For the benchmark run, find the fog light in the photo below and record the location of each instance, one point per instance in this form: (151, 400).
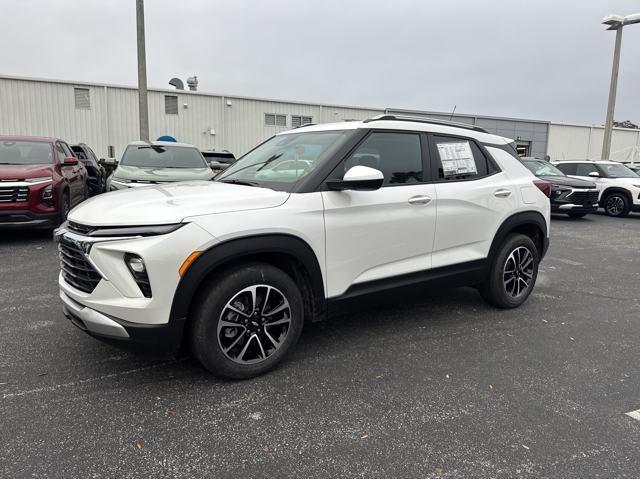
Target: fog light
(139, 272)
(135, 263)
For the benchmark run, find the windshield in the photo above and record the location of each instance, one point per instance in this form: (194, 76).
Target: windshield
(542, 168)
(156, 156)
(618, 171)
(25, 153)
(283, 160)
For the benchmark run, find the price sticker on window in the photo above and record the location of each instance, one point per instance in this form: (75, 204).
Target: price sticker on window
(457, 159)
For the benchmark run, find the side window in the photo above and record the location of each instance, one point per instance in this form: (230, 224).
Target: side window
(397, 155)
(460, 159)
(567, 168)
(61, 152)
(583, 169)
(66, 149)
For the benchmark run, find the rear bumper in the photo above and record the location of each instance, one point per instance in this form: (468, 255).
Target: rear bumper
(14, 219)
(159, 341)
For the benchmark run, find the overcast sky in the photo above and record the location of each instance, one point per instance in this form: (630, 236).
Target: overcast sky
(539, 59)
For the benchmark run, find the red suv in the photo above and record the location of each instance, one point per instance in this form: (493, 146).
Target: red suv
(40, 181)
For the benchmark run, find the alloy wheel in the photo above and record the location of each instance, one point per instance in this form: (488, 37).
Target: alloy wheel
(517, 274)
(254, 324)
(614, 205)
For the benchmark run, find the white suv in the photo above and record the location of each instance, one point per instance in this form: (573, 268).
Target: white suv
(618, 186)
(308, 221)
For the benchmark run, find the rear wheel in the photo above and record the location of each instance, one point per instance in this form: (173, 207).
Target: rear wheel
(616, 205)
(248, 319)
(577, 215)
(513, 273)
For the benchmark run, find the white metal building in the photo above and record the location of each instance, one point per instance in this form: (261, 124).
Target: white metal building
(106, 118)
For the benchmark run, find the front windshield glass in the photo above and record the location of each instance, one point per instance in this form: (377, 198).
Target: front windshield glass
(156, 156)
(285, 159)
(618, 171)
(25, 153)
(542, 168)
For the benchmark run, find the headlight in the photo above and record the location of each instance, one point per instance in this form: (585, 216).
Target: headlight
(47, 194)
(42, 179)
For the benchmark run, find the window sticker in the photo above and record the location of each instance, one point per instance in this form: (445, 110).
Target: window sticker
(457, 159)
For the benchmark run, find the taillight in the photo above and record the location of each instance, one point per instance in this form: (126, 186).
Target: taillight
(543, 186)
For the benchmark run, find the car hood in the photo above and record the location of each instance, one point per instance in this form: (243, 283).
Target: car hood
(568, 181)
(171, 203)
(20, 172)
(162, 174)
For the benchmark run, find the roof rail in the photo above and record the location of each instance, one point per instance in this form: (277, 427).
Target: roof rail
(425, 120)
(300, 126)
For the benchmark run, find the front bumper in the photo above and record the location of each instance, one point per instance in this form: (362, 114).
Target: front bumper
(159, 341)
(573, 208)
(16, 219)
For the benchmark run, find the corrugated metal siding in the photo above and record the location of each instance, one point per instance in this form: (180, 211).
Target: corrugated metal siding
(576, 142)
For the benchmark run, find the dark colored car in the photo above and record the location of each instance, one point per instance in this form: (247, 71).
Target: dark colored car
(97, 176)
(219, 160)
(40, 181)
(572, 196)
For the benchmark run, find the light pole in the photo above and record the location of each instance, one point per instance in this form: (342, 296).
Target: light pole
(615, 22)
(143, 107)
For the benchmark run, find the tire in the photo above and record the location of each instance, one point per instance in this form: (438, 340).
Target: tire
(65, 207)
(253, 347)
(577, 215)
(616, 204)
(517, 249)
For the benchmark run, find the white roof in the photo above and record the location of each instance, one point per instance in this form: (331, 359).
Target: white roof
(408, 125)
(599, 162)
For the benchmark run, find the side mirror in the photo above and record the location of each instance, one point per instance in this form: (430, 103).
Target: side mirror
(108, 161)
(360, 178)
(594, 174)
(216, 165)
(70, 161)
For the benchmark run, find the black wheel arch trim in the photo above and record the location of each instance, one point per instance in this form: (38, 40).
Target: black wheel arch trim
(523, 218)
(616, 189)
(224, 253)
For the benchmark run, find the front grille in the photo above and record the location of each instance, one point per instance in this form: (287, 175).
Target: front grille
(13, 194)
(584, 197)
(76, 269)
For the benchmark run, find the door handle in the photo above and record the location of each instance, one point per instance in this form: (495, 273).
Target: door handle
(419, 200)
(502, 193)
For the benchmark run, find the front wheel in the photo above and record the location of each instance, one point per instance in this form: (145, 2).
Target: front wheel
(513, 273)
(248, 319)
(616, 205)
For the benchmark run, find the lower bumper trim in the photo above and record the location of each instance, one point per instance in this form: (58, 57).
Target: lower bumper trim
(90, 320)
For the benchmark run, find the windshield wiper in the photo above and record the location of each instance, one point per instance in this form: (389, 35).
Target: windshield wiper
(156, 148)
(240, 182)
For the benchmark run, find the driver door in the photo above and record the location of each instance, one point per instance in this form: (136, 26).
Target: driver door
(375, 235)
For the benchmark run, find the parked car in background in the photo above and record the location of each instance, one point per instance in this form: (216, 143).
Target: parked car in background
(97, 176)
(618, 186)
(572, 196)
(235, 266)
(635, 167)
(219, 160)
(148, 163)
(40, 181)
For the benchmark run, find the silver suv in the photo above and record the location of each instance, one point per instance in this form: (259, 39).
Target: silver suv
(145, 163)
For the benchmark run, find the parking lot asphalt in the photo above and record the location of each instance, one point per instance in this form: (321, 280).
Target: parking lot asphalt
(443, 386)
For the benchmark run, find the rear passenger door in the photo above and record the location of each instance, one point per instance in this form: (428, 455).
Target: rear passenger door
(374, 235)
(473, 199)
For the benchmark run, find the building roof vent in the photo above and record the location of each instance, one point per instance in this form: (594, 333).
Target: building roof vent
(192, 83)
(176, 82)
